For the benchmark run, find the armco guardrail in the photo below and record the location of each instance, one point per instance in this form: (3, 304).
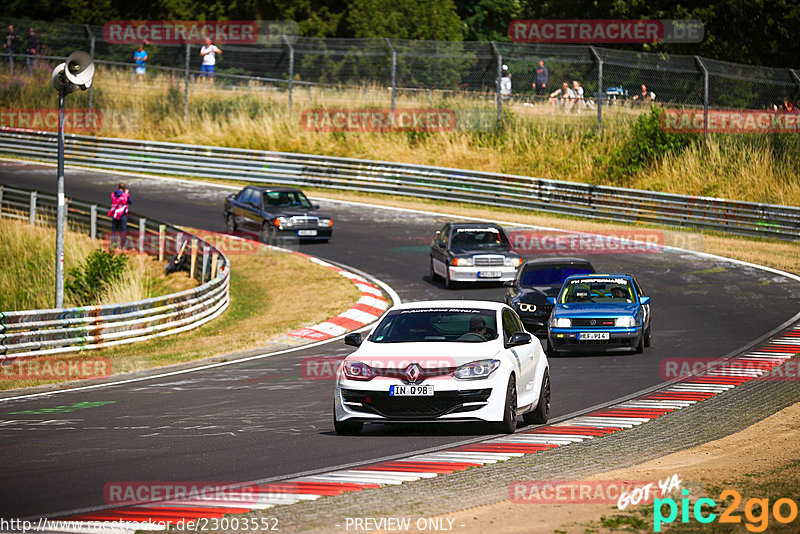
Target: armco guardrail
(593, 201)
(42, 332)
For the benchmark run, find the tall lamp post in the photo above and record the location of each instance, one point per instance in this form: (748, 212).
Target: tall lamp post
(76, 72)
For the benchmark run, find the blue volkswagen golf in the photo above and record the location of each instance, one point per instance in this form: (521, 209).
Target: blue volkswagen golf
(599, 312)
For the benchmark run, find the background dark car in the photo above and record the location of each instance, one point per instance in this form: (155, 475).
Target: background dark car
(536, 280)
(472, 252)
(276, 212)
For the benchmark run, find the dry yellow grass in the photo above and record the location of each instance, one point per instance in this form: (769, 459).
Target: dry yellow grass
(272, 293)
(535, 141)
(27, 281)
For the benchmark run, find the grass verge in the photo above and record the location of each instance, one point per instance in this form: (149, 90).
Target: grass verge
(272, 293)
(532, 140)
(29, 253)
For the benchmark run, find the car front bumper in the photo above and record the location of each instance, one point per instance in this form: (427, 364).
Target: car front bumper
(619, 339)
(453, 401)
(305, 233)
(499, 273)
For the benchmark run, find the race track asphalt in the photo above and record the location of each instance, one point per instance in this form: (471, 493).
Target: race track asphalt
(261, 419)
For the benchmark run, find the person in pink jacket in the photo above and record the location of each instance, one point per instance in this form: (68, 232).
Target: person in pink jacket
(120, 200)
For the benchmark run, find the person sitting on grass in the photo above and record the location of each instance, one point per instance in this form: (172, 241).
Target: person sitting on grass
(562, 96)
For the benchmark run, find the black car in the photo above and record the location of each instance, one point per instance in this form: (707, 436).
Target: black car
(472, 252)
(276, 212)
(536, 280)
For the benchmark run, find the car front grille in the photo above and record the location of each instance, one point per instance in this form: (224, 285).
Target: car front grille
(303, 220)
(424, 374)
(488, 261)
(604, 322)
(441, 403)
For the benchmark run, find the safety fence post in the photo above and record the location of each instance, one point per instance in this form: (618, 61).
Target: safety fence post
(142, 232)
(705, 95)
(186, 83)
(394, 70)
(291, 69)
(32, 209)
(498, 81)
(93, 221)
(600, 93)
(194, 258)
(162, 241)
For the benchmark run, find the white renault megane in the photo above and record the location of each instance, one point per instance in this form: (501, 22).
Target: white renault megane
(443, 361)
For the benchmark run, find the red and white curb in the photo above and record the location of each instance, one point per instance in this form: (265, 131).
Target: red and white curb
(366, 310)
(745, 367)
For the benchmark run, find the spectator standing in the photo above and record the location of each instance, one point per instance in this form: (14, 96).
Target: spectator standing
(505, 82)
(208, 53)
(34, 48)
(540, 79)
(11, 44)
(578, 90)
(120, 200)
(140, 60)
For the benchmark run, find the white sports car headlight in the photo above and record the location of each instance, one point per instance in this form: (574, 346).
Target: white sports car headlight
(358, 371)
(475, 370)
(625, 322)
(561, 322)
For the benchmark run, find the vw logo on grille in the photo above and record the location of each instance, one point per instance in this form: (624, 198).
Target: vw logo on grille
(412, 372)
(592, 322)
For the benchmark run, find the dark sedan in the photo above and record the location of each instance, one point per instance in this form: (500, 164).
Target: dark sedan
(274, 213)
(536, 280)
(472, 252)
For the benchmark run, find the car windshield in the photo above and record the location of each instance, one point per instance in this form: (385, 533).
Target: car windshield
(463, 325)
(549, 276)
(601, 290)
(478, 238)
(286, 199)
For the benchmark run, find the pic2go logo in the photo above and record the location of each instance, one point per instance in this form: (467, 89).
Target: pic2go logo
(756, 511)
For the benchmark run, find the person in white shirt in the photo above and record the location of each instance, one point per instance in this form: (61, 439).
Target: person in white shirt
(578, 90)
(505, 82)
(208, 53)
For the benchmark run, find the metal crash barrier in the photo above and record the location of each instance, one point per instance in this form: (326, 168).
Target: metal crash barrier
(56, 331)
(503, 190)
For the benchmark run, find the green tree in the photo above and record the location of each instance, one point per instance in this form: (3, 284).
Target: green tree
(487, 20)
(435, 20)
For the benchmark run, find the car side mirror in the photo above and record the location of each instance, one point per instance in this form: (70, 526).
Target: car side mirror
(353, 339)
(509, 283)
(644, 300)
(551, 300)
(519, 338)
